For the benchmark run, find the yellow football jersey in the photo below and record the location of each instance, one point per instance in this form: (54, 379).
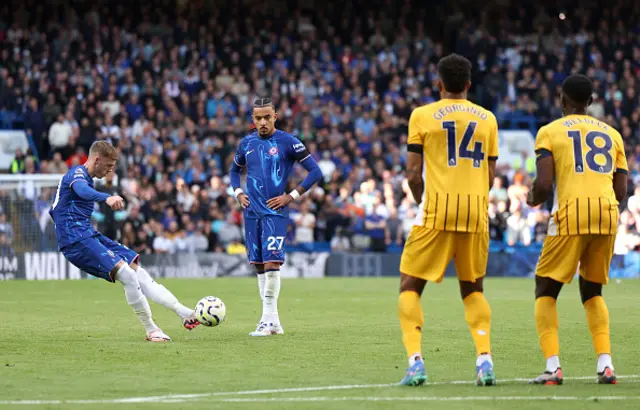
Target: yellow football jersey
(586, 153)
(458, 138)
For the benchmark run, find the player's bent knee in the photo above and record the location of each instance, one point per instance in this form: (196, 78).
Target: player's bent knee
(589, 290)
(125, 274)
(411, 284)
(547, 287)
(467, 288)
(270, 266)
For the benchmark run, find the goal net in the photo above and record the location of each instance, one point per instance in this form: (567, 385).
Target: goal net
(25, 223)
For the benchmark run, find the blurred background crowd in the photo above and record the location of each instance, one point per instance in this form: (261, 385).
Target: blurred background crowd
(171, 84)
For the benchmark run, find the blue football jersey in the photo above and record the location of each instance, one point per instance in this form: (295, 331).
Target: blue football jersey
(269, 162)
(72, 214)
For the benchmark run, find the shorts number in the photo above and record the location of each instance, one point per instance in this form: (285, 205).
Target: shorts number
(57, 198)
(462, 151)
(591, 140)
(274, 243)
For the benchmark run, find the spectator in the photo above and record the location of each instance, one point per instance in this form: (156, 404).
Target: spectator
(57, 165)
(518, 231)
(6, 228)
(60, 135)
(305, 224)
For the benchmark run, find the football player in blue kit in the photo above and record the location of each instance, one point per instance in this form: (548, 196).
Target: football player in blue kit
(268, 155)
(98, 255)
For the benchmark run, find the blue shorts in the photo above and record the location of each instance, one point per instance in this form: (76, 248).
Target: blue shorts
(98, 256)
(265, 238)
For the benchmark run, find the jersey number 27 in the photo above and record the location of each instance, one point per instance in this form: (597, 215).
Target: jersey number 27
(455, 151)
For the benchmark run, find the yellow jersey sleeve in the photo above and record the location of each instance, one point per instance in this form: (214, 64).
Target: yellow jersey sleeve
(543, 143)
(493, 141)
(416, 128)
(621, 158)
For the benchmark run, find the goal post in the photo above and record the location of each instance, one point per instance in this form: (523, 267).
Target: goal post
(25, 223)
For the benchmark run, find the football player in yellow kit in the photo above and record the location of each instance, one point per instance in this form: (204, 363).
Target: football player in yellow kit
(452, 153)
(581, 161)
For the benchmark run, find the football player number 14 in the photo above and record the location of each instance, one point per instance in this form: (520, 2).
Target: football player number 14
(598, 143)
(456, 151)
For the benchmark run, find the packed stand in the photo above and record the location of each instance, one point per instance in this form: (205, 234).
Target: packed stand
(172, 89)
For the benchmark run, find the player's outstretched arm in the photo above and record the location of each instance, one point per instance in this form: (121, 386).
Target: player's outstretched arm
(84, 191)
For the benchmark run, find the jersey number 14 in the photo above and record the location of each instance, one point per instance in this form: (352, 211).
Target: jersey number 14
(455, 151)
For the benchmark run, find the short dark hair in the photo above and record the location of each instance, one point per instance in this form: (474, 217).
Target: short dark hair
(578, 88)
(455, 72)
(262, 102)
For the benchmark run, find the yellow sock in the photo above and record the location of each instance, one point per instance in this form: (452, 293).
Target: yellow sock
(411, 321)
(477, 313)
(598, 320)
(547, 326)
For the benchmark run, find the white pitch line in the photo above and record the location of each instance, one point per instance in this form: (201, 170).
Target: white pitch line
(186, 397)
(425, 398)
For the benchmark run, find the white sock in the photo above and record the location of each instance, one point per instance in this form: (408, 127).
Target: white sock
(161, 295)
(604, 360)
(261, 280)
(416, 357)
(271, 293)
(553, 363)
(483, 358)
(135, 297)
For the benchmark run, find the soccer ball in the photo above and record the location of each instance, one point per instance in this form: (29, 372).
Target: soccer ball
(210, 311)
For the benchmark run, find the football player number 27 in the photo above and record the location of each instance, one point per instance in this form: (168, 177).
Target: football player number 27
(274, 243)
(455, 151)
(598, 143)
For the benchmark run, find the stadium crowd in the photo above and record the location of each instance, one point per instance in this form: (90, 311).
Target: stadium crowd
(171, 85)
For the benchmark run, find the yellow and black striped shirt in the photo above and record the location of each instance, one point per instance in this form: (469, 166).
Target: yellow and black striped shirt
(586, 153)
(457, 139)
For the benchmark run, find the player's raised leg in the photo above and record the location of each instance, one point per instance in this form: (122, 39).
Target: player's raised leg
(472, 252)
(151, 289)
(594, 273)
(92, 256)
(138, 302)
(162, 296)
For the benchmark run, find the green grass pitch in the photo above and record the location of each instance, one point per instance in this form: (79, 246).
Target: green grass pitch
(68, 341)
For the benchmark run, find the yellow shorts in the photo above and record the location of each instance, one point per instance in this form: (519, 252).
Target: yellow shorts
(561, 255)
(427, 254)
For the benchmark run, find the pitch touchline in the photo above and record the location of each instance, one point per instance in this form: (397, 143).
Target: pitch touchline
(425, 398)
(185, 397)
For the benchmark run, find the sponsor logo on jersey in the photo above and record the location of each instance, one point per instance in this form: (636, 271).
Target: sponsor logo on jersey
(299, 147)
(79, 173)
(110, 253)
(273, 151)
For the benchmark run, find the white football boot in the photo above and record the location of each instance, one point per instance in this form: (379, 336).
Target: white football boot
(267, 329)
(157, 336)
